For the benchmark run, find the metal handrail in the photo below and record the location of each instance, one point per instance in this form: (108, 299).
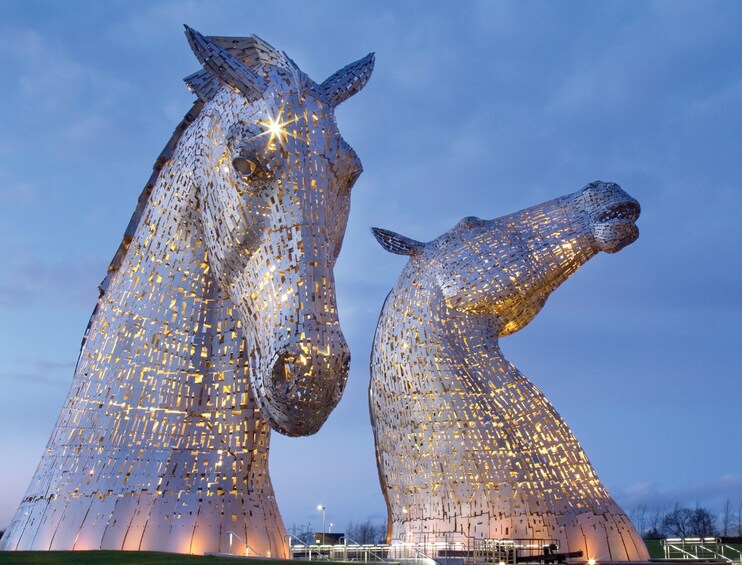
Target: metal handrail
(411, 545)
(476, 550)
(230, 533)
(689, 548)
(345, 543)
(289, 537)
(732, 549)
(307, 547)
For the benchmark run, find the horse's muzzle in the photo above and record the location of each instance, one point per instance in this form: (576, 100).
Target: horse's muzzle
(303, 385)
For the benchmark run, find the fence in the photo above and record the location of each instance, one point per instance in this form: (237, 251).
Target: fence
(700, 548)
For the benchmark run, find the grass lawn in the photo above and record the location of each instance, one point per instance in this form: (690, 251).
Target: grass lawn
(111, 558)
(97, 557)
(151, 558)
(123, 558)
(656, 551)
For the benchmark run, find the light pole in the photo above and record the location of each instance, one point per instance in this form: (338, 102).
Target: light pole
(324, 513)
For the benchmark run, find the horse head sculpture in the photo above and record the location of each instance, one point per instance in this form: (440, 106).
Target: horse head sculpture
(274, 182)
(216, 322)
(466, 445)
(508, 266)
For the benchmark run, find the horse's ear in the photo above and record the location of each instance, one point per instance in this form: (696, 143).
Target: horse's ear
(203, 85)
(395, 243)
(223, 66)
(348, 80)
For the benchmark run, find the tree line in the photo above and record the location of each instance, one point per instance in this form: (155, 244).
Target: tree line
(684, 522)
(365, 532)
(674, 521)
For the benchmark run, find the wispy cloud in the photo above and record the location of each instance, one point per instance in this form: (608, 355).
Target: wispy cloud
(712, 493)
(40, 371)
(31, 280)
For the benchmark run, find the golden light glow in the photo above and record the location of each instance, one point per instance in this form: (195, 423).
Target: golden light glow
(162, 432)
(276, 128)
(467, 447)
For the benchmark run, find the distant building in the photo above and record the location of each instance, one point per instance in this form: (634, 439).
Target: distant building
(328, 538)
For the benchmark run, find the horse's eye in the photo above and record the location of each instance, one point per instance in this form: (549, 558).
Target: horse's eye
(245, 166)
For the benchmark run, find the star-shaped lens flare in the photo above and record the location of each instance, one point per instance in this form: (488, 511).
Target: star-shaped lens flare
(276, 128)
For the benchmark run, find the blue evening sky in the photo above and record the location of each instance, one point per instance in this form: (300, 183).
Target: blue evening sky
(475, 108)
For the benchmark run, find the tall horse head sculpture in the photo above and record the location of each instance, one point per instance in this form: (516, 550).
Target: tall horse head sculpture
(274, 177)
(217, 321)
(466, 445)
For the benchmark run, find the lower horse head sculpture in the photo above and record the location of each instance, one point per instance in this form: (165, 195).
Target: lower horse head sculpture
(467, 447)
(216, 322)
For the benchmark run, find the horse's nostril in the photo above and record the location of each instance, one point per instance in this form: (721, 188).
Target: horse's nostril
(303, 384)
(284, 374)
(308, 379)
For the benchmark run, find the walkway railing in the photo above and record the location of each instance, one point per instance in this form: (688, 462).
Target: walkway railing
(700, 548)
(231, 535)
(348, 550)
(459, 549)
(471, 550)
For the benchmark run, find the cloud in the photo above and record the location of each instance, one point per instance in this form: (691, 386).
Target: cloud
(28, 280)
(43, 71)
(712, 493)
(40, 371)
(480, 110)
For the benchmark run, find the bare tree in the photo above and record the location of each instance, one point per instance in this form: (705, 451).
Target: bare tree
(655, 524)
(683, 522)
(703, 523)
(639, 518)
(303, 533)
(677, 522)
(366, 532)
(726, 518)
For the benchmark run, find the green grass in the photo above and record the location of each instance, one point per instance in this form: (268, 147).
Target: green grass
(112, 558)
(124, 558)
(655, 549)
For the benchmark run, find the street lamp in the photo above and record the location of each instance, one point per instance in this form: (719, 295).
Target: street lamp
(324, 513)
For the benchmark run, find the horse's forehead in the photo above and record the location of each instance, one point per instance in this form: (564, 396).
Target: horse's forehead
(289, 105)
(293, 90)
(464, 243)
(479, 250)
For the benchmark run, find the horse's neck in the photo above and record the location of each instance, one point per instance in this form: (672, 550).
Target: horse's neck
(556, 246)
(455, 358)
(162, 297)
(434, 333)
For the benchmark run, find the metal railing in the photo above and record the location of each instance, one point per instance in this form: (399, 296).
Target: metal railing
(248, 549)
(731, 553)
(700, 548)
(469, 550)
(451, 549)
(348, 550)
